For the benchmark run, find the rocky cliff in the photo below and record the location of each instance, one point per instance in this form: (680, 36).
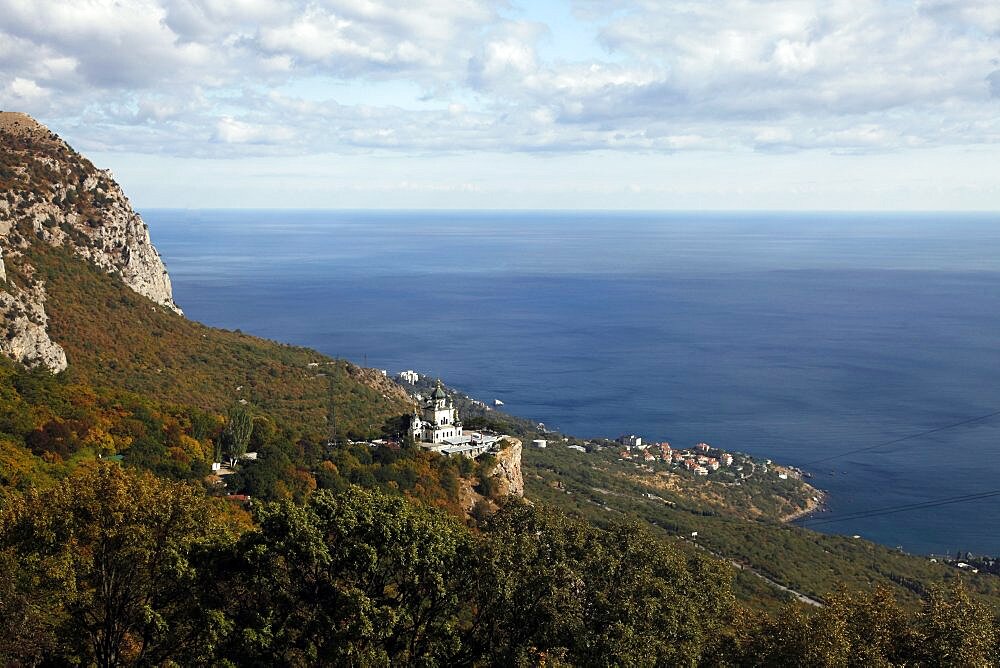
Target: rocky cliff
(507, 471)
(51, 194)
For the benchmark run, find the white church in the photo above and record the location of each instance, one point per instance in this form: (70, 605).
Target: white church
(436, 426)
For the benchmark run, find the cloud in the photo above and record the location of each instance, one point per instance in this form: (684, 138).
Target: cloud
(228, 78)
(26, 91)
(994, 81)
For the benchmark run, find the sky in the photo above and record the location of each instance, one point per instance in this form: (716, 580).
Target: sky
(575, 104)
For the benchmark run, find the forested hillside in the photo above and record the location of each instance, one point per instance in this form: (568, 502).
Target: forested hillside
(114, 337)
(113, 567)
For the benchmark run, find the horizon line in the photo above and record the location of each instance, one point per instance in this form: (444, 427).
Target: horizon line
(985, 212)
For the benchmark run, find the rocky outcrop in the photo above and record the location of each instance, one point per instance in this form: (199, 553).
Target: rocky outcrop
(507, 471)
(117, 240)
(26, 338)
(51, 194)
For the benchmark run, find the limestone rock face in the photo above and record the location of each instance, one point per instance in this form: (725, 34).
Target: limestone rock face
(119, 242)
(26, 338)
(51, 194)
(508, 469)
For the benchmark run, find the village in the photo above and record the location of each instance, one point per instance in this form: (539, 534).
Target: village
(700, 460)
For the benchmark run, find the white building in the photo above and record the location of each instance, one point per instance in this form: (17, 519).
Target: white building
(630, 441)
(436, 427)
(409, 376)
(438, 419)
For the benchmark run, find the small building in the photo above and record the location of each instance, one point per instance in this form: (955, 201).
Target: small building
(539, 443)
(630, 440)
(703, 447)
(726, 459)
(409, 376)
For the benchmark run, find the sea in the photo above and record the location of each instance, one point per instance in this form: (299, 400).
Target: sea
(863, 348)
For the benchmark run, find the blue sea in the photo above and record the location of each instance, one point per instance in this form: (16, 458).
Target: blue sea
(795, 337)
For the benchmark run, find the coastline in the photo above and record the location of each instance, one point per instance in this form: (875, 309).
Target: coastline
(814, 504)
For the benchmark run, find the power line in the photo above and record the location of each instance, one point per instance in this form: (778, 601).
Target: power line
(903, 438)
(903, 508)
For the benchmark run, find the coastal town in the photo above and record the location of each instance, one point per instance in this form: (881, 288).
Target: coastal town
(700, 460)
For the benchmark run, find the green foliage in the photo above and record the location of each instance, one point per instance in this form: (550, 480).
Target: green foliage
(871, 629)
(561, 588)
(599, 487)
(117, 338)
(953, 629)
(115, 567)
(105, 567)
(352, 579)
(236, 435)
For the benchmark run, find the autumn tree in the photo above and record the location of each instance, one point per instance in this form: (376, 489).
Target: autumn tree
(109, 560)
(871, 629)
(953, 629)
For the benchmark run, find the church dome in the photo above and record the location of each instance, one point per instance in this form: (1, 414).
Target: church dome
(438, 392)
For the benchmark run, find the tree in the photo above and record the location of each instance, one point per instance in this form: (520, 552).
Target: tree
(111, 556)
(356, 578)
(237, 432)
(558, 588)
(955, 630)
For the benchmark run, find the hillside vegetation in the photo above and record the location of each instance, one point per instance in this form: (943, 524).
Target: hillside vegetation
(113, 567)
(115, 337)
(741, 524)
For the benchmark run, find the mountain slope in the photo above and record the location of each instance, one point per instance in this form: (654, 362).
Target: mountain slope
(83, 287)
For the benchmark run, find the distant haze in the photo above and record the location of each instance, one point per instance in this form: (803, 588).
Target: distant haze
(606, 104)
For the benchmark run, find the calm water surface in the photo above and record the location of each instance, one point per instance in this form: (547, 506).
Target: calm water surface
(790, 336)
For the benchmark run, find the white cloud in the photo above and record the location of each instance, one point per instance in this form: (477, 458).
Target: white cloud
(26, 90)
(219, 77)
